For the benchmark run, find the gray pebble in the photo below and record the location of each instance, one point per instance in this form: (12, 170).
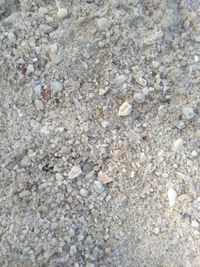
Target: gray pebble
(24, 193)
(30, 69)
(26, 161)
(119, 80)
(98, 186)
(103, 24)
(139, 97)
(56, 87)
(73, 250)
(38, 89)
(188, 113)
(83, 192)
(46, 28)
(12, 37)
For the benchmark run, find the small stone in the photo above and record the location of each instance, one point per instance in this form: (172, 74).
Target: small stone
(196, 59)
(39, 104)
(103, 24)
(30, 69)
(119, 80)
(24, 193)
(83, 192)
(180, 125)
(73, 250)
(47, 94)
(45, 130)
(103, 91)
(139, 97)
(155, 64)
(46, 28)
(104, 178)
(156, 230)
(194, 154)
(90, 1)
(26, 161)
(125, 109)
(98, 186)
(145, 91)
(38, 89)
(42, 11)
(178, 145)
(172, 195)
(195, 224)
(62, 13)
(56, 87)
(105, 124)
(53, 49)
(188, 113)
(141, 81)
(12, 37)
(75, 172)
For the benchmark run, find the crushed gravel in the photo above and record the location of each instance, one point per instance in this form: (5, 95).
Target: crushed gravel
(99, 133)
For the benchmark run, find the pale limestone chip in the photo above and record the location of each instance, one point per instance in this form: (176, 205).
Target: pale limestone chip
(125, 109)
(172, 195)
(104, 178)
(177, 145)
(62, 13)
(75, 172)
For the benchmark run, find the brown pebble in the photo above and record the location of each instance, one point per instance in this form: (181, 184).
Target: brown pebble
(47, 94)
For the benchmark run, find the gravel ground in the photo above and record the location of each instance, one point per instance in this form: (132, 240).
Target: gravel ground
(99, 133)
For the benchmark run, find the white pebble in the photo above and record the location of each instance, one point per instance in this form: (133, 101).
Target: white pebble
(196, 59)
(75, 172)
(172, 195)
(103, 91)
(125, 109)
(83, 192)
(188, 113)
(62, 13)
(45, 130)
(103, 24)
(139, 97)
(155, 64)
(195, 224)
(141, 81)
(178, 145)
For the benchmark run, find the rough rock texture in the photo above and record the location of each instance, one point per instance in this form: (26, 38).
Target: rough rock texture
(63, 79)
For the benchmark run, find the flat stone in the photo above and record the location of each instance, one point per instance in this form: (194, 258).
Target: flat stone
(125, 109)
(104, 178)
(119, 80)
(75, 172)
(45, 28)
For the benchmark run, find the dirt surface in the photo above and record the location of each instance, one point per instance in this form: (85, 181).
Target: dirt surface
(99, 133)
